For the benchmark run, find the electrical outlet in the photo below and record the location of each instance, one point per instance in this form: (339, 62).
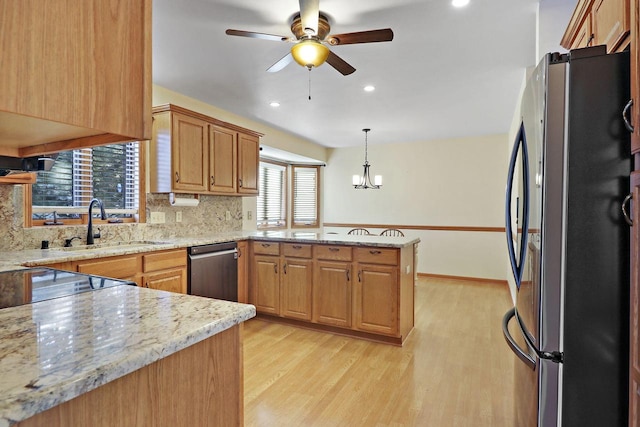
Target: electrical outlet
(228, 216)
(179, 216)
(249, 215)
(157, 218)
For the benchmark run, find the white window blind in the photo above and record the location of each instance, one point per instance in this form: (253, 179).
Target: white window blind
(305, 195)
(271, 203)
(110, 173)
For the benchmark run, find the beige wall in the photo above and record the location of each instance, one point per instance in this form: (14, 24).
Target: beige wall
(456, 182)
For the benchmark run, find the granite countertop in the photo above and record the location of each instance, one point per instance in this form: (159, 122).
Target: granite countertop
(55, 350)
(36, 257)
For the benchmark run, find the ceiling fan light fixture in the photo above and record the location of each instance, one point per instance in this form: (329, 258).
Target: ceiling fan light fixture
(310, 53)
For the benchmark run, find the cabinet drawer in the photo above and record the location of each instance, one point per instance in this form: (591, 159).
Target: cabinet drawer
(333, 252)
(118, 268)
(266, 248)
(164, 260)
(377, 256)
(296, 250)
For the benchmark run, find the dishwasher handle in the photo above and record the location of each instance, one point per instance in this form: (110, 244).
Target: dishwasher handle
(219, 253)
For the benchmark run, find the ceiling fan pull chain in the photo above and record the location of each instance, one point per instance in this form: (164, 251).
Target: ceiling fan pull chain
(309, 83)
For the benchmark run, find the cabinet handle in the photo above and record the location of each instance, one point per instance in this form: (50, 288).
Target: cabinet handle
(239, 253)
(591, 37)
(360, 276)
(374, 252)
(213, 180)
(275, 268)
(297, 247)
(627, 123)
(348, 275)
(284, 268)
(146, 284)
(334, 249)
(240, 182)
(624, 209)
(265, 245)
(177, 177)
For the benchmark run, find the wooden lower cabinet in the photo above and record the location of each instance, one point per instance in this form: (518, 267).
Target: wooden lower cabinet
(171, 280)
(162, 270)
(332, 293)
(634, 306)
(361, 291)
(243, 271)
(375, 299)
(266, 273)
(296, 282)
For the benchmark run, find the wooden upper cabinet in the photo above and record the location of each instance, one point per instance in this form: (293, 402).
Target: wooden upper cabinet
(248, 163)
(74, 74)
(190, 153)
(611, 23)
(223, 159)
(599, 22)
(193, 153)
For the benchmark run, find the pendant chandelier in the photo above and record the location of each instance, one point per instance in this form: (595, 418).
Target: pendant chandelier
(364, 182)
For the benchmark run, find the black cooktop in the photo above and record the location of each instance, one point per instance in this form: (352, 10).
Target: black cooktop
(18, 287)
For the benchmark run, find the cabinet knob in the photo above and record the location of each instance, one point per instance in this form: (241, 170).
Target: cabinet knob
(177, 177)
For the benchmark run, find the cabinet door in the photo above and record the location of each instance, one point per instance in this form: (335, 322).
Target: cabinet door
(248, 160)
(190, 152)
(332, 295)
(584, 37)
(171, 280)
(610, 19)
(376, 299)
(266, 275)
(223, 159)
(295, 288)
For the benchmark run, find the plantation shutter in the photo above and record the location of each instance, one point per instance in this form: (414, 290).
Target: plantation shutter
(271, 201)
(305, 195)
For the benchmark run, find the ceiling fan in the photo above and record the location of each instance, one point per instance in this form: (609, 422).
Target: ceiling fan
(310, 29)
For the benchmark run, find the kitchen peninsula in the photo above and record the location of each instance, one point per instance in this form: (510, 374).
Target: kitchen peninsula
(123, 355)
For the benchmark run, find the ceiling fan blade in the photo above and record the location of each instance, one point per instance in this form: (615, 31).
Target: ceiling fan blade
(339, 64)
(371, 36)
(283, 62)
(255, 35)
(309, 14)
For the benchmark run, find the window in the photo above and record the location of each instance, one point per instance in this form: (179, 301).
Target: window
(271, 210)
(110, 173)
(305, 196)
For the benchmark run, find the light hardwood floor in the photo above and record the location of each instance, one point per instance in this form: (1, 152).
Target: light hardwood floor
(453, 370)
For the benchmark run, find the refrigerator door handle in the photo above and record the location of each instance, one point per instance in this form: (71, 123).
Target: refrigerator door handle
(517, 265)
(522, 355)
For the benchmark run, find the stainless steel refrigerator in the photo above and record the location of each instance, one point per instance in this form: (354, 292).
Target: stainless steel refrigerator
(568, 243)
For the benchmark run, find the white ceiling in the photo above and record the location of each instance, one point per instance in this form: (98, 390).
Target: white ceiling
(448, 72)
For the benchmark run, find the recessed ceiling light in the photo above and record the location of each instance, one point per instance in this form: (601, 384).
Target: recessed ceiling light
(459, 3)
(369, 88)
(274, 104)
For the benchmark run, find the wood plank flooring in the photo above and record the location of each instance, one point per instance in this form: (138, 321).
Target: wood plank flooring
(453, 370)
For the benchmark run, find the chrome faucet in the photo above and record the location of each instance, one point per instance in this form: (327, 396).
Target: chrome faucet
(103, 216)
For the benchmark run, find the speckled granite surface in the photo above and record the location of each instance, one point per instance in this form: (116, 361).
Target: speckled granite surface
(53, 351)
(10, 260)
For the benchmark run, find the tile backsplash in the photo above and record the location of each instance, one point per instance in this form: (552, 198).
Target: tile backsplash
(210, 216)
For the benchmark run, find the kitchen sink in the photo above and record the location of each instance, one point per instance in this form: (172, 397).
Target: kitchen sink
(111, 245)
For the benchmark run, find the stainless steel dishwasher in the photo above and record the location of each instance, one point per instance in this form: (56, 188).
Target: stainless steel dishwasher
(213, 271)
